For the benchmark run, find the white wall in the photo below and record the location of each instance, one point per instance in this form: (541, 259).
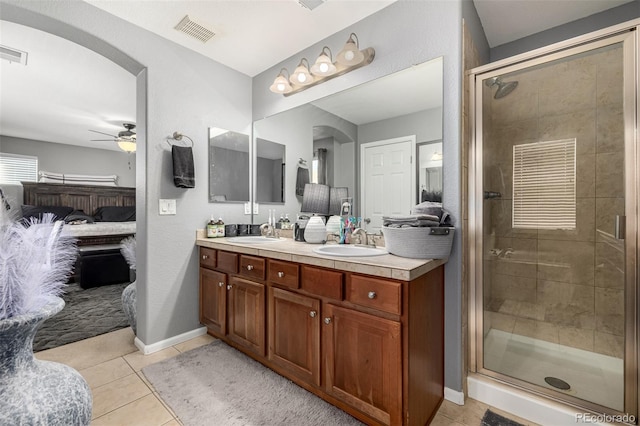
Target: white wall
(177, 90)
(61, 158)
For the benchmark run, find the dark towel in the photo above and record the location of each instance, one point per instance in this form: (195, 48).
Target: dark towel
(183, 169)
(302, 178)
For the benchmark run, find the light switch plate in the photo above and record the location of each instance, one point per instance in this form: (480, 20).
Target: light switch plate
(256, 209)
(247, 208)
(167, 207)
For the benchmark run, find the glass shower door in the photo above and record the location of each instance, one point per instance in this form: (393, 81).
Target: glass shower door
(558, 298)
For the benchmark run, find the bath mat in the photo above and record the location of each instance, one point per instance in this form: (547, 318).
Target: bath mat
(492, 419)
(217, 385)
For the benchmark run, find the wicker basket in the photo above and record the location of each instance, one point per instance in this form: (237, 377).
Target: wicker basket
(419, 242)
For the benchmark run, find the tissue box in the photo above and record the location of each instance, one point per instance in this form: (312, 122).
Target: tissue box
(419, 242)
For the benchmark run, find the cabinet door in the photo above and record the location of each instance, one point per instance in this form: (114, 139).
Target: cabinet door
(363, 362)
(246, 317)
(294, 334)
(213, 301)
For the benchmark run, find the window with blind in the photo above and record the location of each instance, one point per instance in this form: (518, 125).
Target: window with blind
(16, 168)
(544, 185)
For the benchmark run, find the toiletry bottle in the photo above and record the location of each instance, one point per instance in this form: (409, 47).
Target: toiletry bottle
(220, 227)
(287, 223)
(280, 222)
(212, 229)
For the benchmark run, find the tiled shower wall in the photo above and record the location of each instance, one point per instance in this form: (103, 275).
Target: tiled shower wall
(561, 286)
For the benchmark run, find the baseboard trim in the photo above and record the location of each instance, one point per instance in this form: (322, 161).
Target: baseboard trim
(454, 396)
(167, 343)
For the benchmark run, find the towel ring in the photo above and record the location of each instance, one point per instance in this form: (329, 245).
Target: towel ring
(178, 137)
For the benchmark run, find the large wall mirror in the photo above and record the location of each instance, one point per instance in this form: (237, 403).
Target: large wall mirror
(328, 136)
(270, 172)
(228, 166)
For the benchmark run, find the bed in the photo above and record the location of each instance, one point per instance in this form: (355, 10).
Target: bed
(89, 199)
(99, 259)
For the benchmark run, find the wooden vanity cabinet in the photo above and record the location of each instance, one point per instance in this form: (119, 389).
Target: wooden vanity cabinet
(372, 346)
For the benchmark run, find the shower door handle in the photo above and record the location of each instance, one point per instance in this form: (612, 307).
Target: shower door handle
(620, 227)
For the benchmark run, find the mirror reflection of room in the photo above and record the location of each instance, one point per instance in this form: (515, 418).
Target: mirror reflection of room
(228, 166)
(429, 164)
(270, 171)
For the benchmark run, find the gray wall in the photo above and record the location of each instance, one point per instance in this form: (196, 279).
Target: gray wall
(404, 33)
(269, 180)
(426, 125)
(217, 96)
(595, 22)
(61, 158)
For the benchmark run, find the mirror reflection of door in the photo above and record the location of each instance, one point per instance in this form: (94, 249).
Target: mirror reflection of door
(388, 179)
(429, 163)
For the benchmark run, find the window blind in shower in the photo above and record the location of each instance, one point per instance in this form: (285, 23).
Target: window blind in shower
(544, 185)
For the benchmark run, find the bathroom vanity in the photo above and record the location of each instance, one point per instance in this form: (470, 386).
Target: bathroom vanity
(365, 334)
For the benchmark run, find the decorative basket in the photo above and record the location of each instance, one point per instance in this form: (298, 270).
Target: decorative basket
(419, 242)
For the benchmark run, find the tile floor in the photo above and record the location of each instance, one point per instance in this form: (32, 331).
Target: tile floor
(111, 365)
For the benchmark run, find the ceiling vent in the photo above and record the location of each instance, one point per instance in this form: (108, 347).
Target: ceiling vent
(13, 55)
(310, 4)
(194, 30)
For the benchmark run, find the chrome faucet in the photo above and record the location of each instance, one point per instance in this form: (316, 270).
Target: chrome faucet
(362, 237)
(267, 230)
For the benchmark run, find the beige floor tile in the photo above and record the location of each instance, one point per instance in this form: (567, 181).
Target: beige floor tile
(138, 360)
(144, 379)
(173, 422)
(118, 393)
(169, 409)
(440, 420)
(106, 372)
(146, 411)
(196, 342)
(93, 351)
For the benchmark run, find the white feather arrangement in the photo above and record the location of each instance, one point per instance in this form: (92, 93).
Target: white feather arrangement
(128, 250)
(36, 259)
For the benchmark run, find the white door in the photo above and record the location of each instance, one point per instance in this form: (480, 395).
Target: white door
(387, 179)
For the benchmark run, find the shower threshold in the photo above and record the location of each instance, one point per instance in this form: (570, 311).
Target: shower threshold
(593, 377)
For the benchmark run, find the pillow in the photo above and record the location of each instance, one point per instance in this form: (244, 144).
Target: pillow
(115, 214)
(78, 217)
(60, 212)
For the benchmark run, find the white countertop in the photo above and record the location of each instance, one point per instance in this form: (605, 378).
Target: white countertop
(388, 265)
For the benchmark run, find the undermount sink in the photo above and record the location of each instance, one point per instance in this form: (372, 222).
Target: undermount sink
(349, 251)
(254, 239)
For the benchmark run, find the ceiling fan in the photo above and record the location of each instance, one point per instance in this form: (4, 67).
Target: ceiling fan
(126, 139)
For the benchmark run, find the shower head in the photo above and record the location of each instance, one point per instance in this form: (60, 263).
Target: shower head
(503, 88)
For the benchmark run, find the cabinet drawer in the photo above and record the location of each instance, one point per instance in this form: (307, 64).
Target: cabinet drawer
(323, 282)
(227, 262)
(207, 257)
(375, 293)
(284, 273)
(252, 267)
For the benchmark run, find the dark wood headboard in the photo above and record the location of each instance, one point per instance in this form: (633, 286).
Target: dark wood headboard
(81, 197)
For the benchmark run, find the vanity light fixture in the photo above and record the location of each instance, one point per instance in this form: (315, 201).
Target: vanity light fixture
(349, 59)
(324, 64)
(281, 83)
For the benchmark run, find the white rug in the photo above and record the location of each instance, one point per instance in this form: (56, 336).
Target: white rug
(218, 385)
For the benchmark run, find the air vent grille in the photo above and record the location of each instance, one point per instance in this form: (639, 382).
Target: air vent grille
(194, 30)
(310, 4)
(13, 55)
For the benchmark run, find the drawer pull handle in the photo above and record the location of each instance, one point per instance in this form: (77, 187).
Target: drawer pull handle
(372, 295)
(205, 257)
(313, 314)
(327, 320)
(229, 286)
(280, 274)
(220, 284)
(249, 267)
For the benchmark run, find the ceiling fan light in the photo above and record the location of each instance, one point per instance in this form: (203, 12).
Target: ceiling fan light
(281, 84)
(301, 76)
(350, 54)
(324, 65)
(127, 145)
